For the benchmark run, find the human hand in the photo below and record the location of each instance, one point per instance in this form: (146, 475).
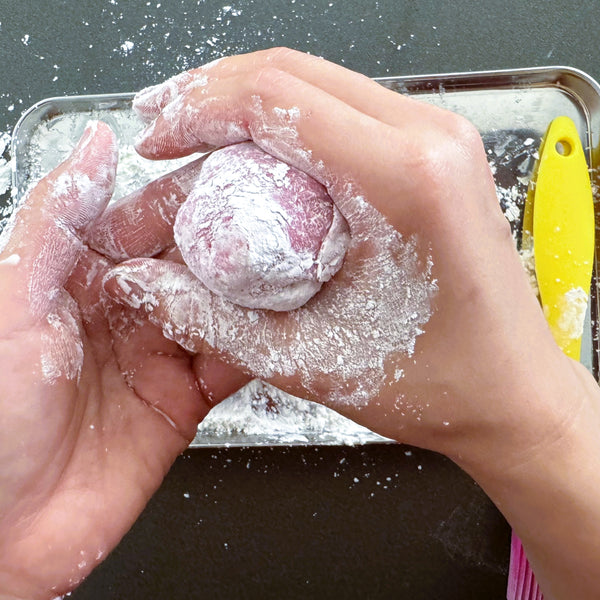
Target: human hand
(89, 424)
(418, 336)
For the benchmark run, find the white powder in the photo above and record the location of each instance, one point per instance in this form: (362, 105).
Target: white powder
(333, 337)
(247, 418)
(260, 412)
(528, 261)
(62, 350)
(259, 232)
(572, 306)
(5, 166)
(12, 260)
(53, 140)
(368, 315)
(5, 173)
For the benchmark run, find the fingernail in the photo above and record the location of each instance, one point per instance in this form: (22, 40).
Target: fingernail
(123, 287)
(88, 133)
(143, 137)
(147, 101)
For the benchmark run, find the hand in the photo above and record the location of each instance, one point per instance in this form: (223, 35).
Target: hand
(464, 364)
(82, 446)
(418, 336)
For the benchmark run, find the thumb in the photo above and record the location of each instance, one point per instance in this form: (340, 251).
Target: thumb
(43, 241)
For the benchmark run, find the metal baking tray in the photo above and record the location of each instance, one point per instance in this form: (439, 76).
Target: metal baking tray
(511, 109)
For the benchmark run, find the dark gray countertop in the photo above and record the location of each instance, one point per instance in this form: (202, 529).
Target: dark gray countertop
(370, 522)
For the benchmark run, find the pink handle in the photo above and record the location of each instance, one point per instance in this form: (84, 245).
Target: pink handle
(521, 580)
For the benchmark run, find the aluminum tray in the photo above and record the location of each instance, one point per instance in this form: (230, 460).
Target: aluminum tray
(511, 109)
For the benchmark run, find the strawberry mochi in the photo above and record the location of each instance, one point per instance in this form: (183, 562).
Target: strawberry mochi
(258, 231)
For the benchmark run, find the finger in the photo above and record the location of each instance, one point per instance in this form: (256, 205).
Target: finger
(191, 315)
(172, 254)
(158, 370)
(163, 375)
(149, 102)
(283, 114)
(337, 349)
(44, 239)
(317, 133)
(85, 285)
(217, 379)
(141, 223)
(354, 89)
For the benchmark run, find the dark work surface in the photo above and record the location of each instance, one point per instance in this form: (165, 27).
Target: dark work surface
(369, 522)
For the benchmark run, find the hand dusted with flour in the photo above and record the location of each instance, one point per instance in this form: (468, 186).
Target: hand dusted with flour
(397, 338)
(470, 370)
(88, 425)
(63, 204)
(342, 346)
(258, 232)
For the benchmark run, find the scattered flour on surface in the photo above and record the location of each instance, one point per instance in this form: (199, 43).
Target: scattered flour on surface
(52, 141)
(5, 165)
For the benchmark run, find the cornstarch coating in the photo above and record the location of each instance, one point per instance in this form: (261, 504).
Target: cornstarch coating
(259, 232)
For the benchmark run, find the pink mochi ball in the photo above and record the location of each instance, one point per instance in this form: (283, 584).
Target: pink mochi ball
(259, 232)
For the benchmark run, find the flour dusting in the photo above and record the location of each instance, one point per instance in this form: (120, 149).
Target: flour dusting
(5, 168)
(371, 313)
(573, 307)
(511, 158)
(259, 232)
(62, 350)
(260, 411)
(13, 260)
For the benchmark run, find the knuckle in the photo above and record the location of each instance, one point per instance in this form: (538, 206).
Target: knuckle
(466, 137)
(449, 171)
(280, 54)
(449, 152)
(268, 82)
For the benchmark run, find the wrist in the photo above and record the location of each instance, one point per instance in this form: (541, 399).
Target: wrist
(549, 488)
(539, 408)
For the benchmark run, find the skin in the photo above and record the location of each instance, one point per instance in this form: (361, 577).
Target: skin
(80, 456)
(523, 418)
(491, 388)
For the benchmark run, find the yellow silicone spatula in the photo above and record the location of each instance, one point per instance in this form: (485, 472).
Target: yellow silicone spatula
(558, 227)
(563, 233)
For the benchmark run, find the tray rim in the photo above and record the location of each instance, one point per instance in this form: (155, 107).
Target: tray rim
(548, 75)
(507, 77)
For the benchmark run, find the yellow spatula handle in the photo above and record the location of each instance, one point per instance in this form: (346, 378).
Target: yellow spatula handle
(563, 234)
